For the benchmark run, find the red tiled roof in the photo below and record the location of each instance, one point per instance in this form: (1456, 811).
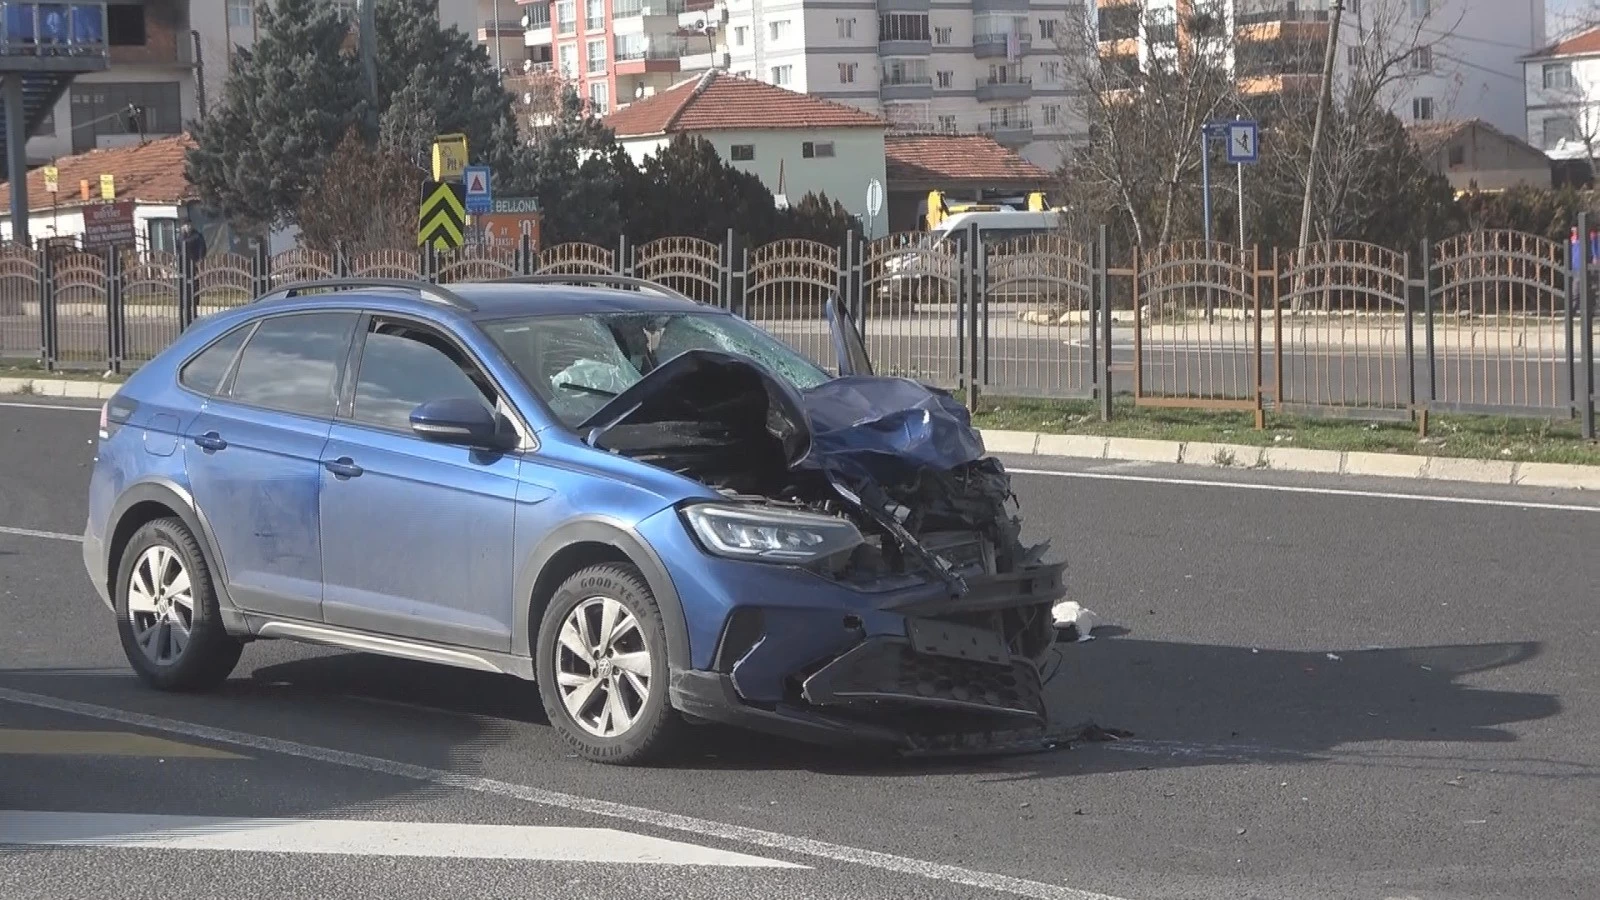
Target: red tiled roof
(152, 172)
(955, 158)
(718, 101)
(1581, 44)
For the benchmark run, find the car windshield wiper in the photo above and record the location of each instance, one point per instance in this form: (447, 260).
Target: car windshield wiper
(585, 389)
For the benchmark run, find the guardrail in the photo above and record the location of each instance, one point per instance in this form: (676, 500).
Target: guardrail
(1495, 321)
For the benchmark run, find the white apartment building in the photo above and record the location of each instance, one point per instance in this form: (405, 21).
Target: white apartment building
(1562, 86)
(1463, 57)
(989, 66)
(170, 58)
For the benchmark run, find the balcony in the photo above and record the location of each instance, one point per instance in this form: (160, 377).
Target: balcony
(627, 9)
(495, 29)
(905, 87)
(1000, 6)
(658, 54)
(1259, 85)
(904, 6)
(905, 46)
(998, 45)
(699, 62)
(1015, 133)
(1016, 87)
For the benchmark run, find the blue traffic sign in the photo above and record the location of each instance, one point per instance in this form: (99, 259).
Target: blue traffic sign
(475, 179)
(1244, 144)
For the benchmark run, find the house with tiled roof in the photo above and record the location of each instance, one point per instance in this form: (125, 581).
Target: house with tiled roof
(1475, 155)
(962, 166)
(1561, 84)
(795, 143)
(149, 177)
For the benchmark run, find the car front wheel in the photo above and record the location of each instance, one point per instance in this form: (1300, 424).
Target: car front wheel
(167, 611)
(602, 667)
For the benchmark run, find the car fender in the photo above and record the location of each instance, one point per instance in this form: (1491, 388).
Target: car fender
(624, 538)
(177, 498)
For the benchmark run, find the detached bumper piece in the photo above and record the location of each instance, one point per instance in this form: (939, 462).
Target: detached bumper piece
(888, 672)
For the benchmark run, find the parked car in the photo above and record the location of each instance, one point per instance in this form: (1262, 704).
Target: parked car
(653, 509)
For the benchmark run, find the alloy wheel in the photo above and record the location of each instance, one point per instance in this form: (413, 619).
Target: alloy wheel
(603, 667)
(161, 605)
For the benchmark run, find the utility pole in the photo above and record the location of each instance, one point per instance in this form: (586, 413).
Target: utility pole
(369, 58)
(1324, 101)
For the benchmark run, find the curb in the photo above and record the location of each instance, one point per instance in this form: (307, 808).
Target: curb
(1192, 453)
(1296, 459)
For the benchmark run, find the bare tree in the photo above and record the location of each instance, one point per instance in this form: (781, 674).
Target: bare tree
(382, 214)
(535, 97)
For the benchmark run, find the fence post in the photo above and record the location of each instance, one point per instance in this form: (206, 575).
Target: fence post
(624, 256)
(1427, 325)
(430, 262)
(262, 276)
(115, 309)
(524, 261)
(1255, 291)
(341, 261)
(1103, 297)
(1411, 338)
(48, 348)
(845, 280)
(979, 292)
(1586, 306)
(188, 288)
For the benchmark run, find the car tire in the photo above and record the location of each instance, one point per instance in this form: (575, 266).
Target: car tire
(163, 582)
(571, 685)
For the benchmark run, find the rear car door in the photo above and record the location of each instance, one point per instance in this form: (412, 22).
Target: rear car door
(417, 536)
(254, 457)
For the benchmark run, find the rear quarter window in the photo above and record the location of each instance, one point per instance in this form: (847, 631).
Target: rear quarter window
(204, 373)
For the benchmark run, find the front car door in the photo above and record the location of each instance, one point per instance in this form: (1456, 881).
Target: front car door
(254, 453)
(417, 536)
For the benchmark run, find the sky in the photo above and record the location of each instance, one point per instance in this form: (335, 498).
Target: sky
(1559, 12)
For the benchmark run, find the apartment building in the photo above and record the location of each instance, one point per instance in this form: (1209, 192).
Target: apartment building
(1462, 58)
(1563, 96)
(989, 66)
(168, 59)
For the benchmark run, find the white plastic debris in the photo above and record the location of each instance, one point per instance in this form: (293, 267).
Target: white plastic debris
(1080, 623)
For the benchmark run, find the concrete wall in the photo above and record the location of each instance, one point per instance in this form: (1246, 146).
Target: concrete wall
(1490, 162)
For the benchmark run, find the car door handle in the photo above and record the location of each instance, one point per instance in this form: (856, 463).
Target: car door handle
(210, 441)
(344, 467)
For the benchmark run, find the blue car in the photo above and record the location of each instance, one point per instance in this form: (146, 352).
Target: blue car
(657, 512)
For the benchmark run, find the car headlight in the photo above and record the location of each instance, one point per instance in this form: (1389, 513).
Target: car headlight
(770, 535)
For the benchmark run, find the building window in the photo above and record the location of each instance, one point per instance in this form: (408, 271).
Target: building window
(125, 25)
(1352, 56)
(741, 33)
(903, 27)
(941, 35)
(905, 71)
(1422, 109)
(1047, 29)
(595, 56)
(947, 123)
(162, 235)
(742, 152)
(1050, 72)
(847, 73)
(1052, 114)
(98, 110)
(1558, 129)
(947, 79)
(594, 15)
(567, 17)
(1421, 8)
(779, 29)
(847, 27)
(240, 13)
(599, 98)
(1458, 156)
(782, 74)
(816, 150)
(1422, 59)
(1558, 76)
(568, 54)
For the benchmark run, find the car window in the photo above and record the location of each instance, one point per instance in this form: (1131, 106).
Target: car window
(403, 367)
(292, 362)
(205, 372)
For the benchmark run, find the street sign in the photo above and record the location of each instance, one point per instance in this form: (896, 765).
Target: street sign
(514, 205)
(52, 179)
(442, 219)
(108, 187)
(874, 197)
(505, 230)
(107, 224)
(449, 157)
(479, 198)
(1244, 145)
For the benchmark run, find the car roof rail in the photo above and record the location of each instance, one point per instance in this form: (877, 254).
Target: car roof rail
(426, 290)
(597, 278)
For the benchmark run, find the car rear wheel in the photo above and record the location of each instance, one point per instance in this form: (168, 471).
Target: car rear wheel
(602, 667)
(167, 613)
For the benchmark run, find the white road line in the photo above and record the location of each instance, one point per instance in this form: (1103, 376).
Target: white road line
(92, 409)
(47, 535)
(1300, 489)
(363, 838)
(639, 815)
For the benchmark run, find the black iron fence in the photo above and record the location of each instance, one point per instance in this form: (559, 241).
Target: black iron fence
(1484, 322)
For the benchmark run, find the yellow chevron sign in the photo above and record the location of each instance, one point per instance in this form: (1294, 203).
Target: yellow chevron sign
(443, 218)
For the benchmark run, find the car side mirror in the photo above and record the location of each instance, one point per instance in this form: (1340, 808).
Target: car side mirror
(463, 422)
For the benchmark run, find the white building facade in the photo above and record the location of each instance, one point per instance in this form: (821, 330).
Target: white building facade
(1562, 87)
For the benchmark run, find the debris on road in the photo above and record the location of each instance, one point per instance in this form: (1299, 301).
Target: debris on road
(1074, 623)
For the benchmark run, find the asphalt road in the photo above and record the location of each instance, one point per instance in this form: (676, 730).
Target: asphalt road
(1338, 688)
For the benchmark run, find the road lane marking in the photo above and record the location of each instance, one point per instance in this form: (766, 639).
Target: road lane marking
(738, 834)
(58, 742)
(55, 406)
(1300, 489)
(47, 535)
(349, 837)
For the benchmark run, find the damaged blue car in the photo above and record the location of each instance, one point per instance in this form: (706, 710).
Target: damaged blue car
(657, 512)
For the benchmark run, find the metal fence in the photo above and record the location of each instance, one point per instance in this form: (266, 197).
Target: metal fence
(1483, 322)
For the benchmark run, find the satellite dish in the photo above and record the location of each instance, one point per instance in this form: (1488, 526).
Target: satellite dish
(638, 91)
(699, 24)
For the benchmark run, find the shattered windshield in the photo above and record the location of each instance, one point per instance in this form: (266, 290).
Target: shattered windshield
(578, 363)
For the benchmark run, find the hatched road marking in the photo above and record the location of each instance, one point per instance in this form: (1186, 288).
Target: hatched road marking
(362, 838)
